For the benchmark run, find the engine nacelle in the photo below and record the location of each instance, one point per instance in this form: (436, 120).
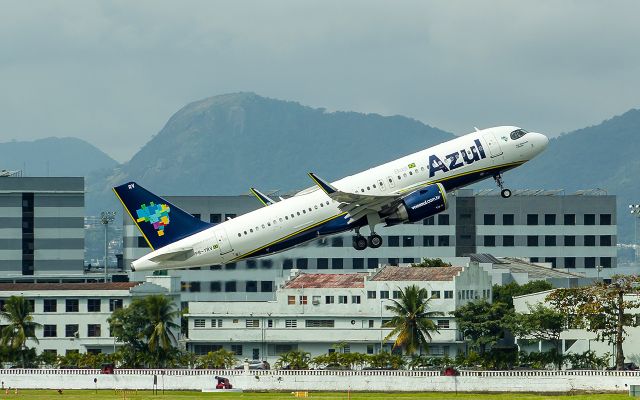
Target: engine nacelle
(418, 205)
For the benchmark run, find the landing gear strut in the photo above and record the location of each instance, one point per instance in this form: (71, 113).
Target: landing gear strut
(505, 193)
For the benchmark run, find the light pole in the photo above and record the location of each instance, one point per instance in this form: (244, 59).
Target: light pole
(635, 212)
(599, 269)
(381, 344)
(105, 218)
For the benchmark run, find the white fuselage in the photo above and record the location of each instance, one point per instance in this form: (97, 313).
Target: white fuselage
(268, 229)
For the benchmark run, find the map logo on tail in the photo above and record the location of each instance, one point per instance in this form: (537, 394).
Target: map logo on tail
(155, 214)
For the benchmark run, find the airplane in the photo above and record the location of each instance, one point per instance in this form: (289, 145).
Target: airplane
(405, 190)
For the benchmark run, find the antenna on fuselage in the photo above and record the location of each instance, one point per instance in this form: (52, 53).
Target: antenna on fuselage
(476, 128)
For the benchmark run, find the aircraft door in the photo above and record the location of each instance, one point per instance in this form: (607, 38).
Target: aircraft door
(223, 241)
(494, 146)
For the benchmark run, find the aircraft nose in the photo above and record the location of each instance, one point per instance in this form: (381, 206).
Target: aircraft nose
(540, 141)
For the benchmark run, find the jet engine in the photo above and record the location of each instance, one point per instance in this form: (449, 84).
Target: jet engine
(418, 205)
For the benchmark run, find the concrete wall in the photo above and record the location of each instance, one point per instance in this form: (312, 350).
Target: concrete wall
(468, 381)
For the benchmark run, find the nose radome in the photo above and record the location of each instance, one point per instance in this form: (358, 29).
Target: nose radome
(541, 141)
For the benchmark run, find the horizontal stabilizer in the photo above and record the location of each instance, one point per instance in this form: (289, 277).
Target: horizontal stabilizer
(264, 199)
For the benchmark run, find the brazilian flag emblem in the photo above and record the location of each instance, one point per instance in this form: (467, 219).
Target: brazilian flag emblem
(412, 165)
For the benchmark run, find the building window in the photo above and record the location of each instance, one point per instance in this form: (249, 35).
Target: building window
(93, 330)
(302, 263)
(489, 241)
(215, 218)
(72, 305)
(355, 299)
(393, 262)
(329, 300)
(489, 219)
(215, 286)
(290, 323)
(605, 219)
(315, 300)
(342, 299)
(428, 221)
(266, 286)
(302, 299)
(443, 241)
(589, 240)
(384, 294)
(266, 264)
(336, 263)
(393, 241)
(252, 264)
(428, 241)
(291, 300)
(589, 262)
(198, 323)
(230, 286)
(319, 323)
(569, 262)
(532, 241)
(93, 305)
(508, 219)
(251, 286)
(71, 330)
(448, 294)
(551, 260)
(252, 323)
(435, 294)
(371, 294)
(549, 219)
(569, 219)
(407, 241)
(532, 219)
(443, 219)
(396, 294)
(549, 240)
(605, 262)
(50, 305)
(605, 240)
(570, 240)
(236, 349)
(372, 263)
(216, 323)
(443, 324)
(337, 242)
(589, 219)
(508, 241)
(358, 263)
(323, 263)
(50, 331)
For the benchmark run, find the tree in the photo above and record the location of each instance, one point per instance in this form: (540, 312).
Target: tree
(482, 323)
(541, 323)
(294, 359)
(146, 328)
(431, 263)
(505, 293)
(412, 324)
(21, 327)
(218, 359)
(601, 308)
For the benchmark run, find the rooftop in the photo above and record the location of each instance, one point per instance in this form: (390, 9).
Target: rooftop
(316, 281)
(417, 274)
(18, 287)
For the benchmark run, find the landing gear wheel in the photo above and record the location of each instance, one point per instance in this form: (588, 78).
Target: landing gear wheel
(505, 193)
(359, 242)
(375, 241)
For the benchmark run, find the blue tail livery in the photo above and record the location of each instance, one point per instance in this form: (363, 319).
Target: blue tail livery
(159, 221)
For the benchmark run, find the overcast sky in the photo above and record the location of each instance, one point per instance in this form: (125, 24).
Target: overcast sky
(112, 72)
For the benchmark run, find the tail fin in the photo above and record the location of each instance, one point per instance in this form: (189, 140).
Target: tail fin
(159, 221)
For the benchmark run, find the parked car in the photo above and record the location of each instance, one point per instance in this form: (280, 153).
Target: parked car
(255, 364)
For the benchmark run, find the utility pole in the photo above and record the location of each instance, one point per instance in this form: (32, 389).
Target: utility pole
(105, 218)
(635, 212)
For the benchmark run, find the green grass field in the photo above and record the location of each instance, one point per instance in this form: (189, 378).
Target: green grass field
(148, 395)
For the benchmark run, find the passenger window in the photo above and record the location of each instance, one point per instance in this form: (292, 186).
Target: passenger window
(286, 217)
(374, 186)
(251, 230)
(292, 215)
(268, 223)
(327, 203)
(310, 209)
(410, 173)
(245, 232)
(390, 180)
(298, 212)
(321, 205)
(399, 177)
(304, 211)
(239, 234)
(280, 219)
(316, 207)
(368, 187)
(262, 226)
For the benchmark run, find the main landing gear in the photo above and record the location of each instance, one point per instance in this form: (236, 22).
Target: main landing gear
(505, 193)
(360, 242)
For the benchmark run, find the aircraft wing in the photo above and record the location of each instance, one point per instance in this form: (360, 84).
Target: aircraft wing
(356, 204)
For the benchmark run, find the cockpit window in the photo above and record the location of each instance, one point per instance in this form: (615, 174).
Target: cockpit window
(518, 133)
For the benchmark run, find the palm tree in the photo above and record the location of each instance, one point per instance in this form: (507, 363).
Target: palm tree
(412, 322)
(161, 313)
(20, 327)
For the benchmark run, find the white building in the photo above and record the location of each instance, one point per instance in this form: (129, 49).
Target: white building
(314, 312)
(578, 341)
(73, 316)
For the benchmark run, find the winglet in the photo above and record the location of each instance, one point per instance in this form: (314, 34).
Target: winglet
(324, 185)
(264, 199)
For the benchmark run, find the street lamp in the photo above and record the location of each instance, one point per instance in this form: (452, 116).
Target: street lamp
(635, 211)
(105, 218)
(599, 269)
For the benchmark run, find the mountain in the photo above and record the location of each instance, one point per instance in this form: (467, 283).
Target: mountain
(604, 156)
(53, 157)
(225, 144)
